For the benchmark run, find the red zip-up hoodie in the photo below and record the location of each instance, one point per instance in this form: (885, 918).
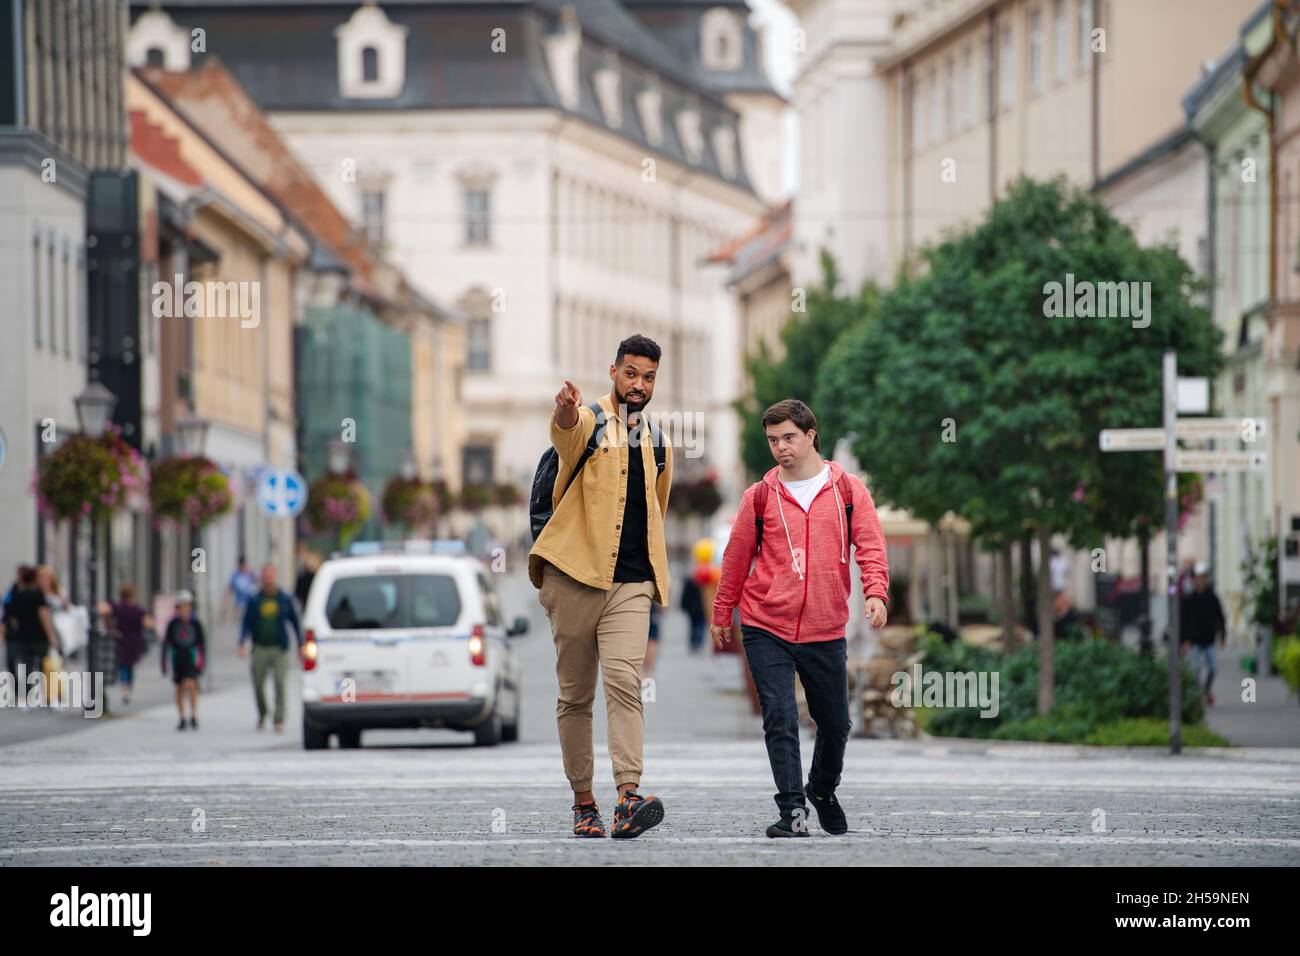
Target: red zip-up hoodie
(799, 588)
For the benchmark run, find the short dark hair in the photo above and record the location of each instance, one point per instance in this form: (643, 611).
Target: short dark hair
(638, 345)
(27, 575)
(793, 410)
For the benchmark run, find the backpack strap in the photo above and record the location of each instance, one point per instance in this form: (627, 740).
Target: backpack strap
(847, 494)
(592, 444)
(661, 454)
(760, 508)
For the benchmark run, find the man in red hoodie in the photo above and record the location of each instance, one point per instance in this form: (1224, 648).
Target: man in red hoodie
(796, 526)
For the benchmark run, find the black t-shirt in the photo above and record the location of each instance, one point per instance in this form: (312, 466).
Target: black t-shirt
(25, 615)
(633, 563)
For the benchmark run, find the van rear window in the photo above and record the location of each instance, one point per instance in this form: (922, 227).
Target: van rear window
(380, 601)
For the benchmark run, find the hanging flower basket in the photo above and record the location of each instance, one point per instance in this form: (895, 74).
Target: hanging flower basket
(339, 505)
(190, 490)
(90, 478)
(697, 497)
(409, 502)
(475, 496)
(507, 494)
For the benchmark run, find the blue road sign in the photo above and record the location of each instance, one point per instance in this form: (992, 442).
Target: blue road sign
(282, 493)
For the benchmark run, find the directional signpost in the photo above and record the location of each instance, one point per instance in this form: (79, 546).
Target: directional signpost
(1189, 395)
(282, 493)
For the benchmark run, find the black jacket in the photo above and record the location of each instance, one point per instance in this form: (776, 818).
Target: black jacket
(1201, 618)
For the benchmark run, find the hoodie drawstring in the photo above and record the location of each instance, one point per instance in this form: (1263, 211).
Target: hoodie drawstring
(788, 543)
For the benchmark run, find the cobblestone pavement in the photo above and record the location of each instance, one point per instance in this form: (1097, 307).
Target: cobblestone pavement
(133, 791)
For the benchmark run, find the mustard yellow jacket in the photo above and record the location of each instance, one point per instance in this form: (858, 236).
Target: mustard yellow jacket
(582, 537)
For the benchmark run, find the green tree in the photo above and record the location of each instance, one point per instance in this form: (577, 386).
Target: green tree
(806, 338)
(971, 395)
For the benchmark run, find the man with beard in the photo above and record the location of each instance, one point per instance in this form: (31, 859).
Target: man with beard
(598, 563)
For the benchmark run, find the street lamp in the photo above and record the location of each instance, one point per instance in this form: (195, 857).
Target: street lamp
(95, 407)
(192, 435)
(338, 455)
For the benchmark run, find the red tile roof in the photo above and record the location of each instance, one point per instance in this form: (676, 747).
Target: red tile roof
(212, 99)
(161, 152)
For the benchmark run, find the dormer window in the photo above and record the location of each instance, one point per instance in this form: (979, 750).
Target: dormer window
(562, 46)
(157, 41)
(608, 92)
(371, 56)
(649, 105)
(688, 131)
(721, 41)
(724, 147)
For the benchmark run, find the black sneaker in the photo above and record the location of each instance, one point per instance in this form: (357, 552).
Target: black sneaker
(182, 725)
(194, 723)
(792, 826)
(634, 814)
(829, 812)
(587, 821)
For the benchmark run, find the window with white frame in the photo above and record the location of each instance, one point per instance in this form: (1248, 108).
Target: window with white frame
(53, 276)
(478, 344)
(1061, 48)
(36, 289)
(476, 304)
(1036, 51)
(373, 216)
(68, 290)
(1083, 16)
(918, 113)
(1007, 67)
(478, 216)
(935, 108)
(970, 86)
(950, 98)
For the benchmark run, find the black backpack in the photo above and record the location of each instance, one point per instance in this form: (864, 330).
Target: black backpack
(539, 502)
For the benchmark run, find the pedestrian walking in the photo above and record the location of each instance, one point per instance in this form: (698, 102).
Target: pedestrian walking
(130, 620)
(1202, 624)
(794, 606)
(184, 648)
(241, 588)
(29, 628)
(309, 563)
(266, 626)
(598, 561)
(692, 602)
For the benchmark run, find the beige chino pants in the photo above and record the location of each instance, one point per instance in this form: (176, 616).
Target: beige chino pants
(609, 630)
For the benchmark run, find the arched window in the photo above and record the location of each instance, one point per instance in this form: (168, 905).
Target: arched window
(371, 55)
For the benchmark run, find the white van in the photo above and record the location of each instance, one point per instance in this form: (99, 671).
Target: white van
(407, 640)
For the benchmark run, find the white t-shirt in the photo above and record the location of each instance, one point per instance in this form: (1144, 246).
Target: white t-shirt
(805, 491)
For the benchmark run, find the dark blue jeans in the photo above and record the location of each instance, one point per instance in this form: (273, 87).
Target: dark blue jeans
(822, 670)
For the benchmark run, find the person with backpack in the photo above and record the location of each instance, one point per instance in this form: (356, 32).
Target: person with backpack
(598, 561)
(796, 528)
(184, 647)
